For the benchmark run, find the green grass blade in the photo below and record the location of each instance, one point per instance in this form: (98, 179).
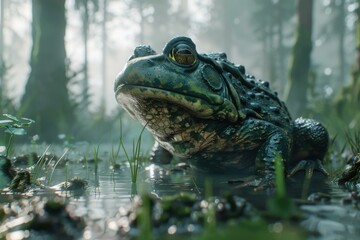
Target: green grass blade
(40, 163)
(56, 164)
(279, 177)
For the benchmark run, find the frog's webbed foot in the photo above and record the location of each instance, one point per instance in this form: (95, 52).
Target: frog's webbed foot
(257, 183)
(309, 166)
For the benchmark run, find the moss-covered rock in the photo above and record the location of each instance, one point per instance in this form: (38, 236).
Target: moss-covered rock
(188, 212)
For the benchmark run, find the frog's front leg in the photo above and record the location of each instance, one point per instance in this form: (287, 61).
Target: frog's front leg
(270, 140)
(277, 144)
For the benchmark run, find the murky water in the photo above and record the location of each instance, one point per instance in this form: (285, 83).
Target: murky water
(110, 190)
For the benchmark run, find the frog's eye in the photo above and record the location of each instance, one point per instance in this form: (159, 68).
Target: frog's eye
(183, 55)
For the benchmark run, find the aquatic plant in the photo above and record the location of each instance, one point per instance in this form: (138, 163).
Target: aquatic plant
(190, 216)
(334, 153)
(15, 127)
(354, 141)
(74, 184)
(56, 164)
(350, 176)
(115, 153)
(145, 220)
(250, 229)
(38, 168)
(96, 158)
(21, 181)
(135, 158)
(280, 205)
(210, 216)
(279, 177)
(86, 165)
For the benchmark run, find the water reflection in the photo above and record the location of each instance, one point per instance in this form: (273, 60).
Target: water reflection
(162, 181)
(111, 191)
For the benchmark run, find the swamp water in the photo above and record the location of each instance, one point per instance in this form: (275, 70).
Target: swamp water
(110, 191)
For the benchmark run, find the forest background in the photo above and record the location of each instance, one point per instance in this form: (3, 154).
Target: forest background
(58, 59)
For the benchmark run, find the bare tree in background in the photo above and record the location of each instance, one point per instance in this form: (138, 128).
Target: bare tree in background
(7, 61)
(160, 25)
(104, 56)
(46, 97)
(296, 92)
(225, 16)
(87, 8)
(153, 21)
(2, 65)
(337, 29)
(349, 96)
(341, 28)
(140, 5)
(270, 19)
(355, 84)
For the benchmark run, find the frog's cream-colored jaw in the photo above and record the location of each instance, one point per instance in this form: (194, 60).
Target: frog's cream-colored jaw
(132, 97)
(154, 106)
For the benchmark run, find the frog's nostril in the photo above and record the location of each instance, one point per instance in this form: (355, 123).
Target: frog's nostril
(142, 51)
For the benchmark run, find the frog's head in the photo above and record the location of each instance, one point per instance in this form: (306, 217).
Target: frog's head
(173, 87)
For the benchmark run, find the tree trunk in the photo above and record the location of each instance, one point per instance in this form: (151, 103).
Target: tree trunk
(142, 21)
(268, 41)
(160, 26)
(348, 99)
(355, 84)
(281, 57)
(2, 65)
(46, 98)
(271, 52)
(296, 92)
(104, 55)
(85, 39)
(227, 21)
(341, 27)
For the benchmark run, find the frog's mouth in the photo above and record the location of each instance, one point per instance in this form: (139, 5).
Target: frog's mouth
(130, 97)
(173, 125)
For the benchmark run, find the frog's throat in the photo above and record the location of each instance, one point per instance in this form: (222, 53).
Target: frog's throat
(127, 96)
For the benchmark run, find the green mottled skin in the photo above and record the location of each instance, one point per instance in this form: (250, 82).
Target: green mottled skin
(206, 107)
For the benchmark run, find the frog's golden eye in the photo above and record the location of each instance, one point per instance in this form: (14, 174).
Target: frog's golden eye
(183, 55)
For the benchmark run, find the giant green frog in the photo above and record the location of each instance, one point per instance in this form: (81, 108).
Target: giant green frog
(202, 106)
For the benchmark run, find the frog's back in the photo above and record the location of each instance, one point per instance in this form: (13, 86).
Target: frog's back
(256, 98)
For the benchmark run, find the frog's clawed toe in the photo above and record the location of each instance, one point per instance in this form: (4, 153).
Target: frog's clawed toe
(309, 166)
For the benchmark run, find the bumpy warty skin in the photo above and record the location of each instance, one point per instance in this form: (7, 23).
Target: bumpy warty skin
(203, 106)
